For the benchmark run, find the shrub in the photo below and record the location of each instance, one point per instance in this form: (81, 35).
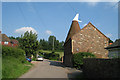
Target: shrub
(14, 52)
(78, 58)
(52, 56)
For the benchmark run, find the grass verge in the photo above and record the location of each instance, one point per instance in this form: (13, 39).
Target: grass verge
(13, 67)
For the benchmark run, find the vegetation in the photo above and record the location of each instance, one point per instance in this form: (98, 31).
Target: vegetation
(52, 55)
(42, 44)
(13, 68)
(78, 58)
(48, 45)
(14, 63)
(110, 41)
(14, 52)
(61, 53)
(28, 42)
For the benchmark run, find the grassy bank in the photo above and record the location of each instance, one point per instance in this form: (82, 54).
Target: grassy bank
(14, 63)
(13, 68)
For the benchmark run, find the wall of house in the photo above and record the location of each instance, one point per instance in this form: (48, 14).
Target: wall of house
(101, 68)
(90, 40)
(9, 44)
(114, 52)
(67, 59)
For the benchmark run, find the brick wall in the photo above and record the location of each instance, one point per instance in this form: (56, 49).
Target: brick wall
(101, 68)
(89, 39)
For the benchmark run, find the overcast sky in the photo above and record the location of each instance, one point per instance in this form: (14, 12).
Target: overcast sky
(55, 18)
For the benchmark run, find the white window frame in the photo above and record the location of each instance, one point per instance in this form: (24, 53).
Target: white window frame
(6, 43)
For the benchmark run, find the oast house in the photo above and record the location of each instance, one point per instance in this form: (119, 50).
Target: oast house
(87, 39)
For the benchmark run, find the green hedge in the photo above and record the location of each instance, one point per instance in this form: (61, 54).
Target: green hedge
(78, 58)
(52, 56)
(14, 63)
(14, 52)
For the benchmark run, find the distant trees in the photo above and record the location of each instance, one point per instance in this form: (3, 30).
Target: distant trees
(17, 38)
(51, 44)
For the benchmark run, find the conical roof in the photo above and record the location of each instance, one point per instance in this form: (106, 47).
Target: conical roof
(75, 28)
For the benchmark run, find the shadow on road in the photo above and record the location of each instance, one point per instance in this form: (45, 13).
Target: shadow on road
(73, 73)
(56, 63)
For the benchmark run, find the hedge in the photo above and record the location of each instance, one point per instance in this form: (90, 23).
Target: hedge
(14, 52)
(52, 56)
(78, 59)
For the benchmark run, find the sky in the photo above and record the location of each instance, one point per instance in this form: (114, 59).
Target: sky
(55, 18)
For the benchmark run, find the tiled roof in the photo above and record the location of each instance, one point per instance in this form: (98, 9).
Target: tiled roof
(116, 44)
(5, 38)
(14, 41)
(75, 28)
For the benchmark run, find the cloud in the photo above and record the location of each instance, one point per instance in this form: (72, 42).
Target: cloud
(24, 29)
(109, 35)
(48, 32)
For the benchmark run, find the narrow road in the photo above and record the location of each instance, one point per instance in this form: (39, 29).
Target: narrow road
(50, 69)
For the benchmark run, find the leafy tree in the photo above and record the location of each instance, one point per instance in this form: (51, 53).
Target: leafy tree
(61, 46)
(48, 45)
(110, 41)
(11, 37)
(29, 43)
(43, 44)
(50, 42)
(17, 38)
(57, 45)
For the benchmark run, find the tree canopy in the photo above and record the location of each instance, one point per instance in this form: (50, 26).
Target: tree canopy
(29, 43)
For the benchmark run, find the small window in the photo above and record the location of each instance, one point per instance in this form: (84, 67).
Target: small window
(5, 42)
(77, 49)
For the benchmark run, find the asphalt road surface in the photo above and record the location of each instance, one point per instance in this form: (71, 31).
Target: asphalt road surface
(50, 69)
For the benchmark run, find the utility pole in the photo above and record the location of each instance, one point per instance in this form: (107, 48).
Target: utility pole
(53, 43)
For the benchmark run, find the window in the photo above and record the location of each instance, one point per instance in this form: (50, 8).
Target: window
(5, 42)
(77, 49)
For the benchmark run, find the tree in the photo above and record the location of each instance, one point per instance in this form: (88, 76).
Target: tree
(11, 37)
(29, 43)
(43, 44)
(110, 41)
(61, 46)
(51, 42)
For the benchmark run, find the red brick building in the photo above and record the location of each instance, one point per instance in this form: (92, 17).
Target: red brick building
(87, 39)
(5, 40)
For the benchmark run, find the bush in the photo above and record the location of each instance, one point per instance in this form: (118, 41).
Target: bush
(52, 56)
(78, 59)
(14, 52)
